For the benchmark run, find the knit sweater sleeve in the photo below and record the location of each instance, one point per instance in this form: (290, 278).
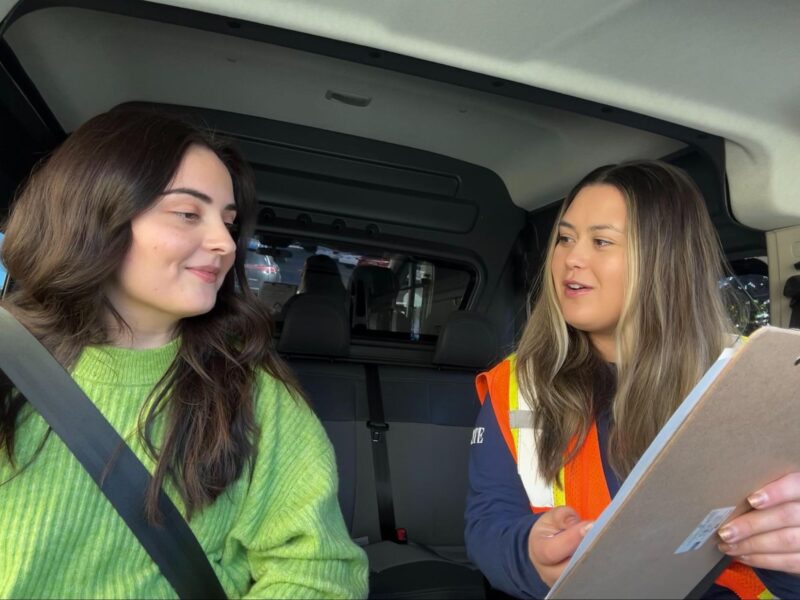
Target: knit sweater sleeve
(290, 525)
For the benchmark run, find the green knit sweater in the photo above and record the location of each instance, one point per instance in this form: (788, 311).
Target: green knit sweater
(277, 532)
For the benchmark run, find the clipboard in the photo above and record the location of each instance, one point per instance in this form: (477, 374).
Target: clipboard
(737, 430)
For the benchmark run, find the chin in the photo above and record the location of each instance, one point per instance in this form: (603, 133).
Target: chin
(197, 310)
(579, 327)
(577, 321)
(582, 325)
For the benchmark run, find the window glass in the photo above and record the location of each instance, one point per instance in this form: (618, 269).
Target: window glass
(259, 269)
(747, 300)
(385, 294)
(746, 294)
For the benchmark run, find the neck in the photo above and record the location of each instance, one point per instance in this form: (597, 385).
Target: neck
(605, 345)
(139, 335)
(140, 340)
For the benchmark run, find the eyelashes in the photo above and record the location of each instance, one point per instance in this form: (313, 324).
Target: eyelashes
(187, 216)
(599, 242)
(191, 217)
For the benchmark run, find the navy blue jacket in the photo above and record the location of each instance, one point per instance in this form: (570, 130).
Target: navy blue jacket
(498, 517)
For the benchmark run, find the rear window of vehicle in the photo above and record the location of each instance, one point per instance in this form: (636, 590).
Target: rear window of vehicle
(389, 295)
(746, 294)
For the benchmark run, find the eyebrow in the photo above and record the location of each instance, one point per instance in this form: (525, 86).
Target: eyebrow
(196, 194)
(592, 228)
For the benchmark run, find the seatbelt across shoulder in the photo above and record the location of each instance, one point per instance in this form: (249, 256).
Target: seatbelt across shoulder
(95, 443)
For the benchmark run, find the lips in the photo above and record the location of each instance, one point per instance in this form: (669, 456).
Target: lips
(573, 289)
(206, 274)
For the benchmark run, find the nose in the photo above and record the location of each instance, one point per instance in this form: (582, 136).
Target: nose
(577, 256)
(219, 240)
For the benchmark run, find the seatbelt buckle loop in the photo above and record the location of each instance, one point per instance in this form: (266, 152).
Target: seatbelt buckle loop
(377, 429)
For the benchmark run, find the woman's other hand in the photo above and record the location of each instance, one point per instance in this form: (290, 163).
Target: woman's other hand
(553, 540)
(769, 536)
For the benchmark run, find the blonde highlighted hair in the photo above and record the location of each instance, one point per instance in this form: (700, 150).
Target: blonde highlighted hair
(672, 327)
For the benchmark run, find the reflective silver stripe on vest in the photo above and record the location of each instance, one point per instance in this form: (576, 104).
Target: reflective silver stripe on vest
(520, 419)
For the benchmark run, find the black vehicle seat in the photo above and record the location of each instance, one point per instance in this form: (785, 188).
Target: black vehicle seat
(431, 413)
(373, 294)
(314, 339)
(320, 277)
(468, 341)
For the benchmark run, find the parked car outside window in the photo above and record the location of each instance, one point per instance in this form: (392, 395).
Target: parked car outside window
(261, 268)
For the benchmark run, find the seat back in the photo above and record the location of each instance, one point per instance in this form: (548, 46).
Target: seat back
(431, 412)
(315, 336)
(337, 392)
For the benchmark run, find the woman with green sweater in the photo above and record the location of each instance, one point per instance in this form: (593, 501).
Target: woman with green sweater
(126, 247)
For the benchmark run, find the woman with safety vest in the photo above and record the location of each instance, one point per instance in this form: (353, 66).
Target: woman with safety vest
(628, 318)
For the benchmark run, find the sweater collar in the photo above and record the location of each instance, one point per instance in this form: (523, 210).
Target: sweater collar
(123, 366)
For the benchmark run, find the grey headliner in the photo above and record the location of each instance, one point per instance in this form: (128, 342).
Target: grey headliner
(84, 62)
(727, 67)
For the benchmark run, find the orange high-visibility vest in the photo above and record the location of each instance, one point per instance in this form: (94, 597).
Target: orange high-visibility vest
(582, 481)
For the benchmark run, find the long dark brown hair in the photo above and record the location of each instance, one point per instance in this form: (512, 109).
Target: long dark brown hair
(672, 327)
(67, 235)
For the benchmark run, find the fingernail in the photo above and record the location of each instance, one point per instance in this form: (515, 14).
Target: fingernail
(725, 548)
(585, 529)
(757, 499)
(727, 534)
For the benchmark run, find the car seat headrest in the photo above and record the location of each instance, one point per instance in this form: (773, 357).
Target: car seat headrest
(320, 275)
(315, 325)
(467, 340)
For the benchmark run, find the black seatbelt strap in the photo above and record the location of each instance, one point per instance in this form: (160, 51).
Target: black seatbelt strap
(96, 444)
(380, 454)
